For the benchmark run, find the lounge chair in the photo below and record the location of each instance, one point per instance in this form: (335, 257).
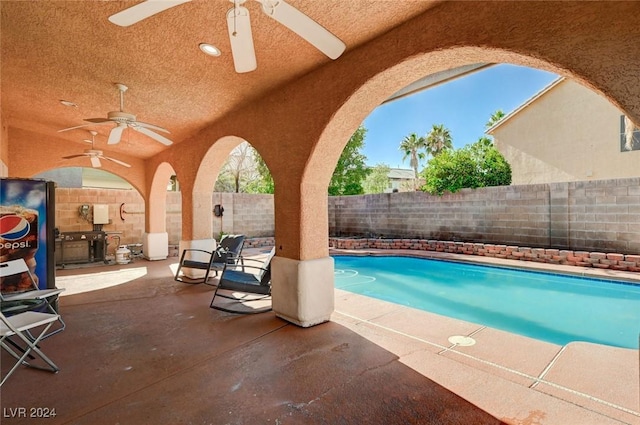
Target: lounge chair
(246, 285)
(228, 252)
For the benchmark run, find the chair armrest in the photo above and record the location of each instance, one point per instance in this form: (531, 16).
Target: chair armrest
(242, 267)
(252, 259)
(184, 251)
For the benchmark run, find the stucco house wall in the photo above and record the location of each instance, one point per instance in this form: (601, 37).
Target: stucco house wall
(565, 133)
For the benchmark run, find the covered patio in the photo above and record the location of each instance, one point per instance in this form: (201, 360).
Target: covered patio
(151, 351)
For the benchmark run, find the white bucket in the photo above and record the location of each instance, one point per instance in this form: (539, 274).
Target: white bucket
(123, 255)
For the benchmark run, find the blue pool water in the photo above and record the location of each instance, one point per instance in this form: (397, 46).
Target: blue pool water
(550, 307)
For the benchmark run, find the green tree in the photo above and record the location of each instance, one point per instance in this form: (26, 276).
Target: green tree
(411, 146)
(476, 165)
(438, 140)
(264, 182)
(351, 169)
(378, 179)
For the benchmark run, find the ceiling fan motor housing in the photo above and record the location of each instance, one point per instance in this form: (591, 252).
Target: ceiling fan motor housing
(121, 117)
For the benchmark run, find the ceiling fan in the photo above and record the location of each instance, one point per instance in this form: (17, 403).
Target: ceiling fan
(96, 155)
(239, 26)
(123, 120)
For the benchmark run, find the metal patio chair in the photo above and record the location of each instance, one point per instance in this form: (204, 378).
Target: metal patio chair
(243, 285)
(228, 252)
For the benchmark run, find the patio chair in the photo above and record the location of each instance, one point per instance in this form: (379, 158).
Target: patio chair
(248, 287)
(31, 298)
(228, 252)
(21, 326)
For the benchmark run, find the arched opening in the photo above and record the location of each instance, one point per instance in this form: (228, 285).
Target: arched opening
(102, 206)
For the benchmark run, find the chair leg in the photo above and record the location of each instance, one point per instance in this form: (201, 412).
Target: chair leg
(31, 346)
(214, 297)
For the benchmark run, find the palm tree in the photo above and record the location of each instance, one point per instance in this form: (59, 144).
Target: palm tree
(411, 146)
(438, 140)
(495, 117)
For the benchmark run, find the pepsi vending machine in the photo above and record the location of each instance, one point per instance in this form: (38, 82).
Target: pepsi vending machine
(27, 222)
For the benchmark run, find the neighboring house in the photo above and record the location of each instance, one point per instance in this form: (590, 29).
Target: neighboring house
(400, 180)
(567, 132)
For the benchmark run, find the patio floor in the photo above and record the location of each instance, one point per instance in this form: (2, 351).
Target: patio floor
(140, 348)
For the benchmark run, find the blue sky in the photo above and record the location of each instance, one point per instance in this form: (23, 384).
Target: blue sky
(463, 105)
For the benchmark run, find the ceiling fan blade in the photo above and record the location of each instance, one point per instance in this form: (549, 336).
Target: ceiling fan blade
(152, 134)
(239, 26)
(142, 11)
(98, 120)
(151, 126)
(95, 162)
(117, 161)
(73, 156)
(116, 134)
(304, 26)
(73, 128)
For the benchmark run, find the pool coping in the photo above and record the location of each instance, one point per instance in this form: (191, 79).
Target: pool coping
(577, 383)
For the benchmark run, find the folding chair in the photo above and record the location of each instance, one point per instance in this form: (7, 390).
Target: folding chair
(32, 299)
(21, 326)
(228, 252)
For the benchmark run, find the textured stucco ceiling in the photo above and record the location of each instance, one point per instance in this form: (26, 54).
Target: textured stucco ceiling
(68, 50)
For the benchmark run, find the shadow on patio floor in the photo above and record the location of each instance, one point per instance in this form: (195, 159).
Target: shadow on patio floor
(151, 351)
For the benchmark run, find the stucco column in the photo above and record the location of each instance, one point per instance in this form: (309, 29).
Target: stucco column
(302, 275)
(155, 240)
(196, 227)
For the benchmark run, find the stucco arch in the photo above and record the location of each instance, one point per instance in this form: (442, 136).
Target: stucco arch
(156, 240)
(155, 218)
(405, 55)
(197, 203)
(373, 91)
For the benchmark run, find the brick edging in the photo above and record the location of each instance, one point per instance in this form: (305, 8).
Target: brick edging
(599, 260)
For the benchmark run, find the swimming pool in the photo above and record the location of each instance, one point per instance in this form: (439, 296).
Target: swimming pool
(550, 307)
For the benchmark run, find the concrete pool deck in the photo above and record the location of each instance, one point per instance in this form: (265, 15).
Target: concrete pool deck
(141, 348)
(517, 379)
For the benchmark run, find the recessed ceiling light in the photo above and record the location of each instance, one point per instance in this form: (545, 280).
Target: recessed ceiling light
(209, 49)
(68, 103)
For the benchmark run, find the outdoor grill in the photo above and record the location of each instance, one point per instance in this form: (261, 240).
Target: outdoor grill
(80, 247)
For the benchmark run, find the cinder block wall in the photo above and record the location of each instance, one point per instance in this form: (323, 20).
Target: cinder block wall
(252, 215)
(595, 215)
(68, 218)
(599, 216)
(507, 215)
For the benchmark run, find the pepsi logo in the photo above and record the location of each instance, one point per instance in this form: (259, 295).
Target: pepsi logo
(13, 227)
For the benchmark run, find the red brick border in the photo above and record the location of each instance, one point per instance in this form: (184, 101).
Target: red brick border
(599, 260)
